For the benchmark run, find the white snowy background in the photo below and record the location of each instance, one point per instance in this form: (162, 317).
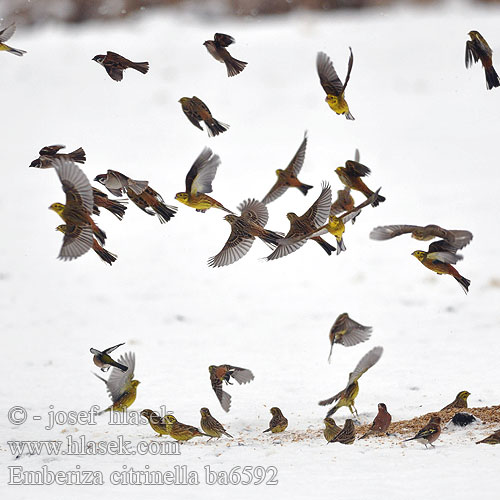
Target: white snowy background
(427, 128)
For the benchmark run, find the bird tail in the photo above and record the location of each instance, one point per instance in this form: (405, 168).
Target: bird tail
(164, 212)
(142, 67)
(464, 282)
(270, 238)
(215, 127)
(234, 67)
(78, 155)
(17, 52)
(331, 411)
(492, 79)
(123, 368)
(349, 116)
(227, 434)
(378, 199)
(340, 246)
(331, 349)
(329, 249)
(116, 207)
(304, 188)
(98, 233)
(106, 256)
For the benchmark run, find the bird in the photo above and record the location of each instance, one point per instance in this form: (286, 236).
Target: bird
(80, 228)
(104, 361)
(49, 153)
(199, 183)
(459, 402)
(5, 34)
(456, 237)
(344, 201)
(217, 49)
(347, 332)
(121, 386)
(224, 373)
(381, 422)
(101, 200)
(211, 426)
(180, 431)
(115, 64)
(278, 422)
(439, 258)
(331, 429)
(347, 435)
(156, 422)
(332, 85)
(305, 224)
(139, 192)
(347, 395)
(477, 49)
(491, 439)
(288, 177)
(429, 433)
(244, 229)
(197, 111)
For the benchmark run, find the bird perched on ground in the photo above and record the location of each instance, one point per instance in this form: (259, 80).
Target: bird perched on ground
(332, 85)
(221, 373)
(429, 433)
(381, 422)
(347, 332)
(439, 258)
(331, 429)
(278, 422)
(199, 182)
(180, 431)
(211, 426)
(455, 237)
(197, 111)
(347, 435)
(156, 422)
(121, 386)
(49, 153)
(115, 65)
(116, 207)
(492, 439)
(350, 176)
(139, 192)
(5, 34)
(217, 49)
(104, 361)
(477, 49)
(305, 224)
(244, 229)
(288, 177)
(347, 395)
(459, 402)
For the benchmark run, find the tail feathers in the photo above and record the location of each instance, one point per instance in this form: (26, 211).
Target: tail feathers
(234, 67)
(227, 434)
(378, 199)
(116, 208)
(349, 116)
(17, 52)
(329, 249)
(492, 79)
(331, 411)
(164, 212)
(78, 155)
(123, 368)
(464, 282)
(216, 128)
(99, 234)
(271, 238)
(143, 67)
(304, 188)
(340, 246)
(107, 257)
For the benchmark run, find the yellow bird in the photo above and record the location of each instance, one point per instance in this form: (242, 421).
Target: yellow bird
(180, 431)
(459, 402)
(156, 422)
(278, 422)
(5, 34)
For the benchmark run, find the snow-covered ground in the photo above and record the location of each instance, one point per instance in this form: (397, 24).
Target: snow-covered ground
(427, 128)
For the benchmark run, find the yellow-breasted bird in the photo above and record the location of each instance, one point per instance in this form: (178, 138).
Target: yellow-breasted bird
(459, 402)
(439, 258)
(491, 439)
(139, 192)
(199, 183)
(5, 34)
(197, 111)
(244, 229)
(305, 224)
(288, 177)
(217, 49)
(429, 433)
(278, 422)
(115, 65)
(350, 176)
(156, 422)
(104, 254)
(347, 395)
(101, 200)
(347, 332)
(477, 49)
(331, 429)
(332, 85)
(104, 361)
(180, 431)
(381, 422)
(455, 237)
(49, 153)
(344, 201)
(212, 426)
(347, 435)
(122, 389)
(224, 373)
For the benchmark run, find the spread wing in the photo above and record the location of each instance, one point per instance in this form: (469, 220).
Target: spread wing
(366, 362)
(6, 33)
(298, 160)
(119, 381)
(254, 210)
(223, 397)
(76, 242)
(75, 184)
(470, 54)
(241, 375)
(236, 247)
(327, 75)
(223, 40)
(320, 210)
(356, 169)
(355, 332)
(443, 251)
(388, 232)
(202, 173)
(51, 150)
(276, 191)
(349, 68)
(331, 400)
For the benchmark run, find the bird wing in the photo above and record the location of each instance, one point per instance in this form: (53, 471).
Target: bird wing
(114, 71)
(366, 362)
(356, 169)
(223, 40)
(255, 210)
(470, 54)
(354, 212)
(331, 400)
(51, 150)
(241, 375)
(119, 381)
(282, 250)
(356, 155)
(111, 349)
(388, 232)
(200, 103)
(202, 173)
(327, 75)
(443, 251)
(77, 241)
(7, 32)
(192, 115)
(236, 247)
(276, 191)
(74, 183)
(320, 210)
(355, 332)
(223, 397)
(349, 68)
(298, 160)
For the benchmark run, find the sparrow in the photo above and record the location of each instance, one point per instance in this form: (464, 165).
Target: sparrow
(347, 435)
(477, 49)
(156, 422)
(197, 111)
(459, 402)
(115, 64)
(347, 332)
(5, 34)
(350, 176)
(381, 422)
(278, 422)
(221, 373)
(211, 426)
(49, 153)
(429, 433)
(101, 200)
(217, 49)
(104, 361)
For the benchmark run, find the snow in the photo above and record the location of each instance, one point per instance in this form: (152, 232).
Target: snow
(427, 128)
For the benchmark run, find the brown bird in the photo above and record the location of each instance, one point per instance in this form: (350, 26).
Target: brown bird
(351, 174)
(49, 153)
(104, 361)
(347, 435)
(217, 49)
(288, 177)
(278, 422)
(347, 332)
(491, 439)
(221, 373)
(459, 402)
(116, 207)
(381, 422)
(197, 111)
(331, 429)
(344, 201)
(115, 64)
(180, 431)
(211, 426)
(429, 433)
(478, 49)
(156, 422)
